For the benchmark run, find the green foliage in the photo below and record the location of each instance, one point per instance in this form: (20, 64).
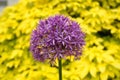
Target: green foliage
(99, 19)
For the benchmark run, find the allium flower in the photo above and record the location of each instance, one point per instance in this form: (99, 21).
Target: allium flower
(57, 37)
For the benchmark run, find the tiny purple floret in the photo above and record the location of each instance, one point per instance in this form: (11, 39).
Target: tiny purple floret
(56, 37)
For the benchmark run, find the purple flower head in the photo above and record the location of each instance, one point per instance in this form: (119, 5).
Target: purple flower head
(57, 37)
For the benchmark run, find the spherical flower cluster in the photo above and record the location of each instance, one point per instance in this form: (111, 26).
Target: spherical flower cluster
(56, 37)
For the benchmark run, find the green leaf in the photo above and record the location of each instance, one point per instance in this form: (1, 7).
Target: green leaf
(108, 58)
(84, 72)
(93, 70)
(104, 76)
(84, 69)
(102, 67)
(10, 64)
(116, 64)
(91, 56)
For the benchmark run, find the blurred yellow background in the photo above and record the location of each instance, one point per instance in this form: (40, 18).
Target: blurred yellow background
(99, 19)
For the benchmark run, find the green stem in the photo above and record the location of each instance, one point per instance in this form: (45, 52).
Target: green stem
(60, 69)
